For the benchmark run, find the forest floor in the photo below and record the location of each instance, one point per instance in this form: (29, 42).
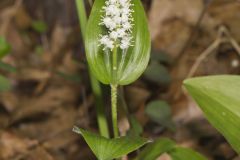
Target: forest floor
(51, 91)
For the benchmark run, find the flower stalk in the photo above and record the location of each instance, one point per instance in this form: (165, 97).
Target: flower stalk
(114, 110)
(117, 20)
(96, 88)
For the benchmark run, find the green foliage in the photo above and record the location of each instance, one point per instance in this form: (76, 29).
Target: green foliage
(107, 149)
(82, 16)
(179, 153)
(157, 73)
(165, 145)
(154, 150)
(219, 99)
(5, 47)
(161, 57)
(130, 64)
(39, 26)
(7, 67)
(136, 128)
(160, 112)
(4, 84)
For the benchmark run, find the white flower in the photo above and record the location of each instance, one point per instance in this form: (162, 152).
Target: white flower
(123, 2)
(117, 19)
(125, 43)
(109, 23)
(125, 18)
(127, 26)
(104, 39)
(126, 10)
(110, 44)
(114, 35)
(112, 1)
(112, 10)
(107, 42)
(121, 32)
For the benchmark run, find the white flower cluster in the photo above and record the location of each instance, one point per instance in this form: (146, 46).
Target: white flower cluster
(118, 21)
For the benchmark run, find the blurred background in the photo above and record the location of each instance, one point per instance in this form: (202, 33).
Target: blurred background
(45, 88)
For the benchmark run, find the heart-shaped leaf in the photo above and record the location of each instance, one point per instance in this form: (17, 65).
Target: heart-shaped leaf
(131, 62)
(219, 99)
(107, 149)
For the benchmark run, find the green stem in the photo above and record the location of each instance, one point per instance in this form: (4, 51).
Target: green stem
(114, 93)
(114, 109)
(96, 88)
(82, 16)
(114, 69)
(101, 116)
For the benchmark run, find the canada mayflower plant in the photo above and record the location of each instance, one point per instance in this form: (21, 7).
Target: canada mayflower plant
(117, 43)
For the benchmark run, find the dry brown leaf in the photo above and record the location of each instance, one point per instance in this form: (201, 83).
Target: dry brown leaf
(12, 145)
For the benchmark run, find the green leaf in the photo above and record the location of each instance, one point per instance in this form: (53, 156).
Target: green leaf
(39, 26)
(219, 99)
(7, 67)
(131, 63)
(157, 73)
(165, 145)
(108, 149)
(4, 84)
(5, 47)
(136, 127)
(179, 153)
(154, 150)
(161, 57)
(160, 112)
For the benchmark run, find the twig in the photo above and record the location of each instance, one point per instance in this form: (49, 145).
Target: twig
(202, 56)
(194, 30)
(223, 37)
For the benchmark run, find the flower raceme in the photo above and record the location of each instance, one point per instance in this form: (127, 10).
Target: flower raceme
(118, 21)
(117, 41)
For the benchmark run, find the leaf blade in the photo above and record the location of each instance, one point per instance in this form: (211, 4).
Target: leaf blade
(218, 97)
(107, 149)
(155, 149)
(180, 153)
